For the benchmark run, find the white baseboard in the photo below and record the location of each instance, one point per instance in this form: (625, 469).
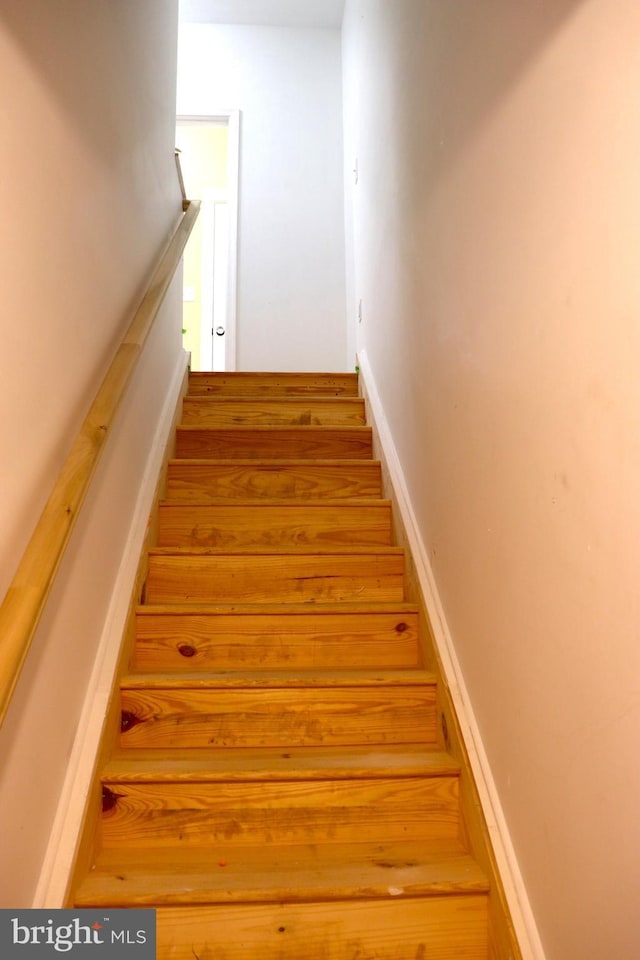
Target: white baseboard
(515, 892)
(61, 850)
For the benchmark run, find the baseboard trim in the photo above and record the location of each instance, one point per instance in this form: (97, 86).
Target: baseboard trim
(513, 884)
(65, 834)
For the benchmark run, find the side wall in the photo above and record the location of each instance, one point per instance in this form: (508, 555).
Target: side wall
(496, 222)
(287, 84)
(89, 198)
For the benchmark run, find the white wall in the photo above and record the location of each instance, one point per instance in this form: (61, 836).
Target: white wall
(89, 197)
(496, 225)
(284, 13)
(287, 84)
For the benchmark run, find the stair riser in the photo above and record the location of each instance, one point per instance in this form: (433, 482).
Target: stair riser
(239, 384)
(437, 928)
(271, 642)
(289, 813)
(272, 578)
(275, 443)
(212, 412)
(232, 481)
(264, 525)
(279, 718)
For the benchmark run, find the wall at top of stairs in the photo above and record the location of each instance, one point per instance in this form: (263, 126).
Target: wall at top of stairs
(90, 193)
(287, 83)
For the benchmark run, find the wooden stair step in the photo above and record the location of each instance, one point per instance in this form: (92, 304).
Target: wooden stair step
(245, 523)
(245, 679)
(259, 575)
(398, 928)
(270, 763)
(229, 443)
(322, 902)
(241, 383)
(281, 411)
(273, 479)
(181, 813)
(278, 710)
(268, 636)
(225, 873)
(281, 609)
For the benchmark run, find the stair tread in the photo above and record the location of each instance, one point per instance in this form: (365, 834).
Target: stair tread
(267, 375)
(278, 679)
(276, 551)
(268, 873)
(272, 464)
(276, 609)
(291, 399)
(355, 429)
(225, 411)
(289, 503)
(308, 395)
(296, 763)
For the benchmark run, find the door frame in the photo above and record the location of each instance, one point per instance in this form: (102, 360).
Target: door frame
(231, 118)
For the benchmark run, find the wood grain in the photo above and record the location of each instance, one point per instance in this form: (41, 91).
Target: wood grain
(182, 640)
(258, 577)
(393, 929)
(279, 524)
(272, 873)
(278, 717)
(282, 812)
(241, 383)
(275, 443)
(237, 411)
(295, 479)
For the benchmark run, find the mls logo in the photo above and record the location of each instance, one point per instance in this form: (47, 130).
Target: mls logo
(38, 934)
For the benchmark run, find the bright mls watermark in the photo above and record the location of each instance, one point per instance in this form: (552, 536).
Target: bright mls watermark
(101, 934)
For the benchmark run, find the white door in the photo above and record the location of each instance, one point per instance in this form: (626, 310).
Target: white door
(213, 308)
(209, 156)
(221, 306)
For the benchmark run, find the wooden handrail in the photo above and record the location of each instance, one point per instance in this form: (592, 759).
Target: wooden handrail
(26, 597)
(185, 202)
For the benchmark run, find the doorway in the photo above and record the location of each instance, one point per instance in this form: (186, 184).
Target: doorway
(209, 155)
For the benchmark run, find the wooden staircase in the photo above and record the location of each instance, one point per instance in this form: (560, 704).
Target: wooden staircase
(280, 789)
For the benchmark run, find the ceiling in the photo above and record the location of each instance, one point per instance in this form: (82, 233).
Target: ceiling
(275, 13)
